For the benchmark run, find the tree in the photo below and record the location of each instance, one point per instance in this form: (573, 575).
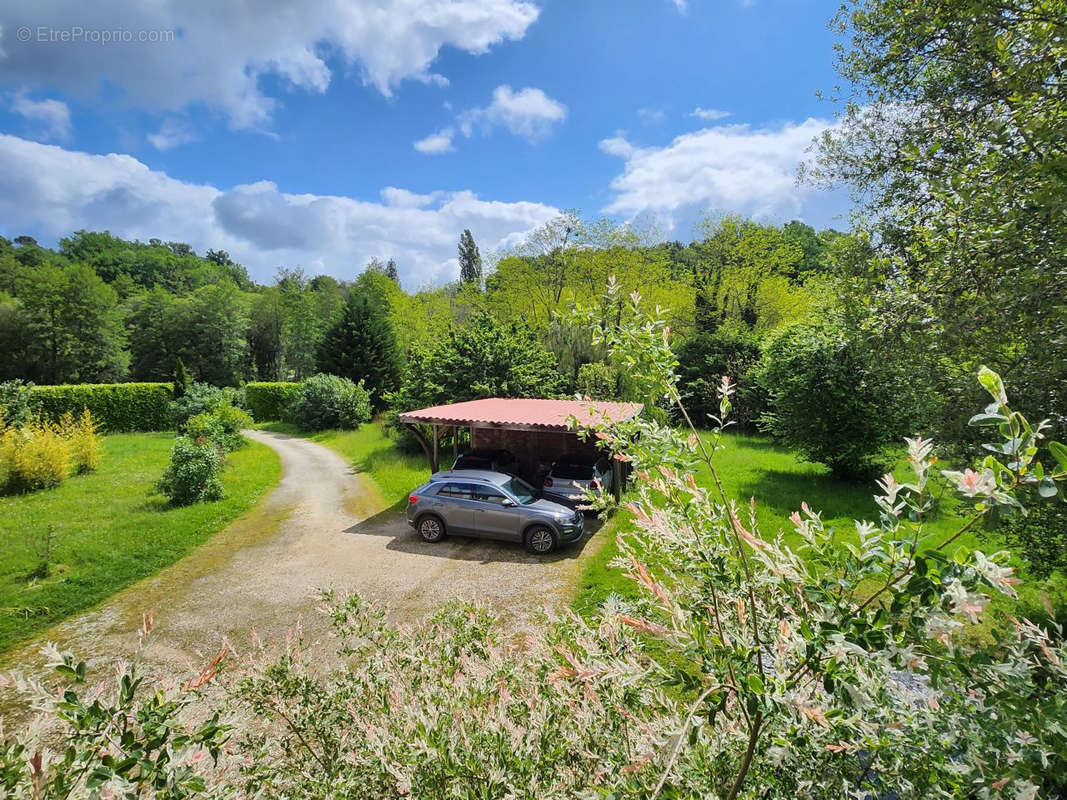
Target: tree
(156, 334)
(362, 346)
(74, 326)
(470, 260)
(834, 399)
(952, 142)
(391, 270)
(215, 345)
(487, 358)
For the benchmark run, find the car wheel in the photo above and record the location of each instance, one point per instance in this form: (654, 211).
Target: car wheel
(540, 540)
(431, 529)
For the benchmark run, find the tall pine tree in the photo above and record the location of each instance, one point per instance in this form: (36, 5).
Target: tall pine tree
(470, 260)
(362, 345)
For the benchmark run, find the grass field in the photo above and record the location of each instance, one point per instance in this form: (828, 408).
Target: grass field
(754, 466)
(373, 454)
(110, 529)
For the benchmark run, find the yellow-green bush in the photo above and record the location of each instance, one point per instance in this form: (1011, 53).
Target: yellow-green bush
(41, 453)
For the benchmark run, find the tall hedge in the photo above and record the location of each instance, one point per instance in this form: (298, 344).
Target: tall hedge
(116, 406)
(270, 400)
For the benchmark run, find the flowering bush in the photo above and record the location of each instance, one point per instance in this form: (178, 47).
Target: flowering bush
(816, 664)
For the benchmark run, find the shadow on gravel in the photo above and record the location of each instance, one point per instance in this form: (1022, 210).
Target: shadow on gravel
(391, 523)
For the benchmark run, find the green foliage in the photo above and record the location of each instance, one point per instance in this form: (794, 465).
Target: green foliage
(487, 358)
(40, 454)
(706, 357)
(835, 400)
(269, 401)
(198, 398)
(362, 346)
(73, 327)
(115, 406)
(134, 741)
(597, 381)
(952, 144)
(1040, 536)
(470, 260)
(329, 401)
(15, 402)
(182, 381)
(221, 426)
(193, 475)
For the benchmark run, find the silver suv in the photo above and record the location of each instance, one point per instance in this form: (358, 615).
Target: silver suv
(491, 505)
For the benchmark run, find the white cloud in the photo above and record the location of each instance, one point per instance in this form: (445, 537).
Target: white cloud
(681, 5)
(49, 118)
(436, 143)
(172, 133)
(50, 191)
(709, 114)
(732, 168)
(651, 116)
(215, 52)
(529, 113)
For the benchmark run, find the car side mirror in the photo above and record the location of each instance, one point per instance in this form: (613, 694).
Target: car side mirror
(508, 503)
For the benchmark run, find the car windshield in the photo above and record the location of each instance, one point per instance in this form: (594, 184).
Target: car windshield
(521, 491)
(572, 471)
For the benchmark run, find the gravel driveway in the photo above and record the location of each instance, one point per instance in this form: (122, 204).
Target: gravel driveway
(317, 528)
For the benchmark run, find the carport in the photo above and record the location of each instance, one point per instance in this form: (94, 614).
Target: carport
(535, 430)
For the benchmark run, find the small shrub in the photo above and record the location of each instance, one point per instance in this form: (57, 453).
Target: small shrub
(182, 380)
(327, 401)
(268, 401)
(15, 402)
(197, 399)
(38, 457)
(597, 381)
(222, 426)
(193, 473)
(83, 441)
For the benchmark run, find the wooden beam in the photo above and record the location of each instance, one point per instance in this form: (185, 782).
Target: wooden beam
(436, 442)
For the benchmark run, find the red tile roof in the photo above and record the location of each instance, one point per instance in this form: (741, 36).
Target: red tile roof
(523, 413)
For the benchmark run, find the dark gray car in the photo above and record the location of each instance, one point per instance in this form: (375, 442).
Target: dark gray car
(491, 505)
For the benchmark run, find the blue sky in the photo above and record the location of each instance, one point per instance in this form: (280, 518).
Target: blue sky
(326, 132)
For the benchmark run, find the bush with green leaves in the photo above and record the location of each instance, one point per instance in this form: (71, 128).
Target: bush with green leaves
(222, 426)
(193, 475)
(198, 398)
(15, 403)
(269, 401)
(597, 381)
(328, 401)
(117, 407)
(702, 361)
(836, 399)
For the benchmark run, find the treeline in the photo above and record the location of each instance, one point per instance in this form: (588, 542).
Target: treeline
(101, 309)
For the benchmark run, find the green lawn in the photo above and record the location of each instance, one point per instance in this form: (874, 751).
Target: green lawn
(392, 472)
(110, 529)
(754, 466)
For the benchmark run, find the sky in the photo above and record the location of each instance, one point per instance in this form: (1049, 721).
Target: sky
(322, 133)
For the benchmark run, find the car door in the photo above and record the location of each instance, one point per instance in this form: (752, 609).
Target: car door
(456, 504)
(492, 518)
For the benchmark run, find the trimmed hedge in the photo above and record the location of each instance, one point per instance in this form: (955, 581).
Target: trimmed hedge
(268, 401)
(116, 406)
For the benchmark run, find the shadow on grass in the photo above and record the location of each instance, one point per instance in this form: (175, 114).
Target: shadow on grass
(392, 523)
(784, 492)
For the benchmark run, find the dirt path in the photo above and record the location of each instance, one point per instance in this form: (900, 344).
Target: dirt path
(316, 529)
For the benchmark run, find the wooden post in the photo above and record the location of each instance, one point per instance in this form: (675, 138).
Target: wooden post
(617, 479)
(436, 442)
(455, 443)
